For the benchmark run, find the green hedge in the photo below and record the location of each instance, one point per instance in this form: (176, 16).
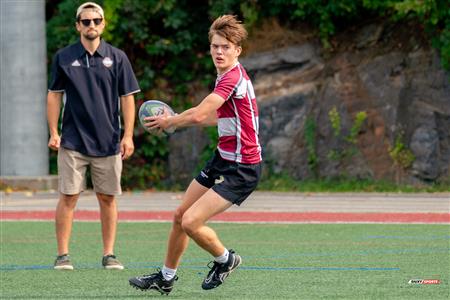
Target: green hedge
(166, 41)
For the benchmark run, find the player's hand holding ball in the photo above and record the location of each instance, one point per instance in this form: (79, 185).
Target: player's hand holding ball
(153, 116)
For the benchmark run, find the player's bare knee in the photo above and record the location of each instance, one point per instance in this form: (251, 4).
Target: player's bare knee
(189, 225)
(178, 217)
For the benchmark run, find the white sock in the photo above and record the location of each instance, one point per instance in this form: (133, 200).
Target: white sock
(168, 273)
(223, 258)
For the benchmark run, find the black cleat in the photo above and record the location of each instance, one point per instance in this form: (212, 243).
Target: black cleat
(219, 272)
(153, 281)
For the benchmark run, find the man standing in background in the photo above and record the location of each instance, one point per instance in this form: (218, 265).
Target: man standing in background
(90, 77)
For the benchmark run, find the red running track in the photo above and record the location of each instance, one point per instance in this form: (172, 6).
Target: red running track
(250, 217)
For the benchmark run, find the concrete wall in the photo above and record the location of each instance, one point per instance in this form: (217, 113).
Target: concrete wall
(23, 128)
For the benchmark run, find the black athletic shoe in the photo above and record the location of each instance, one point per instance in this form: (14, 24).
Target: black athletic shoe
(153, 281)
(219, 272)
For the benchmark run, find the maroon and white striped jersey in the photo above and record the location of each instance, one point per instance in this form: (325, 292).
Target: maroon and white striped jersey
(238, 123)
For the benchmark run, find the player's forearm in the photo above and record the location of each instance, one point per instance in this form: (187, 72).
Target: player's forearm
(189, 117)
(53, 111)
(204, 114)
(211, 119)
(128, 111)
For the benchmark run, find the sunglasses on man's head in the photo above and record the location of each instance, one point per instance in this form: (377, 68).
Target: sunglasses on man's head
(87, 22)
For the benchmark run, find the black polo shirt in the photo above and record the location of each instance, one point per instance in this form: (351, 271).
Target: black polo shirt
(92, 85)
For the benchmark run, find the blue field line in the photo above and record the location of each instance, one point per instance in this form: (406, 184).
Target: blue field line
(327, 254)
(307, 268)
(20, 267)
(321, 269)
(406, 237)
(93, 267)
(153, 265)
(357, 252)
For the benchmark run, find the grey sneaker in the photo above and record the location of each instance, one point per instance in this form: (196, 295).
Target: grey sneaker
(62, 262)
(110, 262)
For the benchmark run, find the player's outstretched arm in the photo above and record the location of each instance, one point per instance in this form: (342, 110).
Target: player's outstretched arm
(203, 114)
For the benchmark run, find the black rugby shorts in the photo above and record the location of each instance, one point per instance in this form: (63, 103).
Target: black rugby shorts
(231, 180)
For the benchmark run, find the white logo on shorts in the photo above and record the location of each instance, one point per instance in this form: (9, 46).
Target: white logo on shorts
(219, 180)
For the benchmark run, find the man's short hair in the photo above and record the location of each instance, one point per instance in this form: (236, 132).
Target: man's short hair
(94, 6)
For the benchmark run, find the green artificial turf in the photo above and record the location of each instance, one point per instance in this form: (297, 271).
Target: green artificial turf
(280, 261)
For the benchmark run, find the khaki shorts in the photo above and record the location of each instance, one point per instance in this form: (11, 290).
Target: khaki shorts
(105, 172)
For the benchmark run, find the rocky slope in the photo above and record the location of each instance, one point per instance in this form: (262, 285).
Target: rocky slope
(387, 71)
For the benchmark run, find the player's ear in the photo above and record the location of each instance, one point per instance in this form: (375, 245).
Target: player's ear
(238, 50)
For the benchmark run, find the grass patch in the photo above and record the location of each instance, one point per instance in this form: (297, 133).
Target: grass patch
(280, 261)
(285, 183)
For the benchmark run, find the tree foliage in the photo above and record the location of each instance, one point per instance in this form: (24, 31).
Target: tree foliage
(166, 41)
